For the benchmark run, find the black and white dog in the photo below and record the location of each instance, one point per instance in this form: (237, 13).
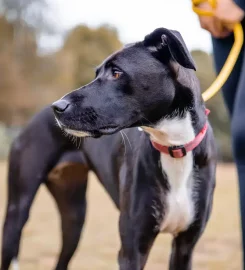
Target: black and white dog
(165, 181)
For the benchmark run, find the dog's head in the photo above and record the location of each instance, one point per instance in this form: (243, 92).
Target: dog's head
(136, 86)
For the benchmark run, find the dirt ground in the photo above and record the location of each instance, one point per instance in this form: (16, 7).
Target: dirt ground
(218, 249)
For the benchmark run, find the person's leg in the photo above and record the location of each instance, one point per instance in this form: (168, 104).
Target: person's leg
(238, 140)
(221, 49)
(234, 96)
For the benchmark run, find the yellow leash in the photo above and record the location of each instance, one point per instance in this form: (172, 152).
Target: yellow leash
(232, 57)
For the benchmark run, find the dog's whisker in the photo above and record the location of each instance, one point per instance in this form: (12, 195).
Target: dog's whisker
(123, 143)
(127, 139)
(71, 137)
(80, 142)
(76, 142)
(148, 120)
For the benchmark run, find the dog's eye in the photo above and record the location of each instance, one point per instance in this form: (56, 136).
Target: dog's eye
(116, 73)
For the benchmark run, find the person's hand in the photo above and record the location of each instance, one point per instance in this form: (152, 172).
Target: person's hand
(228, 12)
(213, 24)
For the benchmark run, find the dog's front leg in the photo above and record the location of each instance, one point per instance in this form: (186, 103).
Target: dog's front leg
(183, 245)
(138, 232)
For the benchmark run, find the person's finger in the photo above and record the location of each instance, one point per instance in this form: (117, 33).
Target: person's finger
(208, 24)
(228, 11)
(229, 26)
(214, 26)
(220, 29)
(217, 32)
(205, 22)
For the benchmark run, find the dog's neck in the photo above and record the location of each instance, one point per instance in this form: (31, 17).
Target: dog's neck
(181, 125)
(173, 131)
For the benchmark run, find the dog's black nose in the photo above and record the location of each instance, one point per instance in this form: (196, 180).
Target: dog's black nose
(60, 106)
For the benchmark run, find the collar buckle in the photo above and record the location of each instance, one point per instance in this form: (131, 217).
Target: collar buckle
(177, 151)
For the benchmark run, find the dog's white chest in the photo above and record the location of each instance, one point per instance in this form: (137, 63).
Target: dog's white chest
(179, 211)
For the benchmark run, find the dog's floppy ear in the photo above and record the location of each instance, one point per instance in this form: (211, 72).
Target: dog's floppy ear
(163, 38)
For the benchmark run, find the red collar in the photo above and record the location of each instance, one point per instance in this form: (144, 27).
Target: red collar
(179, 151)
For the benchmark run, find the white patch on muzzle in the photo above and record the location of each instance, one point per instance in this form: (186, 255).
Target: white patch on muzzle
(77, 133)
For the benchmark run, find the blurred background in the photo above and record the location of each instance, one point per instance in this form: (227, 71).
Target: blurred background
(50, 47)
